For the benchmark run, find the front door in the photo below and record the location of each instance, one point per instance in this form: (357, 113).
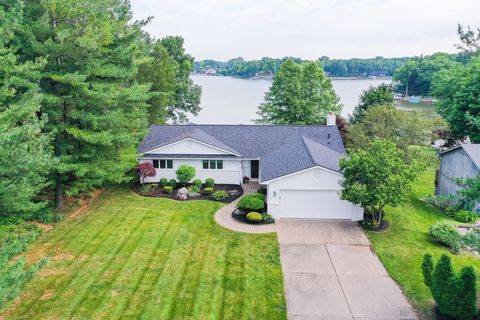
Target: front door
(254, 169)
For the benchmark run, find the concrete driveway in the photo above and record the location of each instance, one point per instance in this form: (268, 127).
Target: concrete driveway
(330, 273)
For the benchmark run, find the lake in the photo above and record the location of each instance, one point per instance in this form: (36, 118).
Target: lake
(231, 100)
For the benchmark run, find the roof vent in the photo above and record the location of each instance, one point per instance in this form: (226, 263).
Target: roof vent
(331, 119)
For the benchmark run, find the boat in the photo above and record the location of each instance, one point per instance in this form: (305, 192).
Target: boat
(414, 99)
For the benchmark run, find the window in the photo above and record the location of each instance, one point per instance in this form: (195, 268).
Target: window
(212, 164)
(163, 164)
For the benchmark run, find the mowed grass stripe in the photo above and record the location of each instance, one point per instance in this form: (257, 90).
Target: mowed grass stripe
(134, 257)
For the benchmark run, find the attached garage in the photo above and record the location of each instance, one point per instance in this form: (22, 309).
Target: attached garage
(313, 204)
(310, 194)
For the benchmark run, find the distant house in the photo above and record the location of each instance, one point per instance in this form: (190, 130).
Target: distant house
(299, 165)
(462, 161)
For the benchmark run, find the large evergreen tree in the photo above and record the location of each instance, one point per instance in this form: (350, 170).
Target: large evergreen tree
(96, 111)
(300, 94)
(25, 158)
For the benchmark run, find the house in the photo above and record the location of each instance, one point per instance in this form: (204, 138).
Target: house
(299, 165)
(462, 161)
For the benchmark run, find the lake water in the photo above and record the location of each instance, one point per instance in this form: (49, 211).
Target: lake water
(231, 100)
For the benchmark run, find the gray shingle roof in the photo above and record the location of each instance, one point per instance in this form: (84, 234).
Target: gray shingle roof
(282, 149)
(473, 151)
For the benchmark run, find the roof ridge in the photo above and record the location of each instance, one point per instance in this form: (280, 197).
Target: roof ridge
(240, 125)
(307, 141)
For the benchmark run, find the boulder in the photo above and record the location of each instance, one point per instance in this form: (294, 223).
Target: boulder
(193, 194)
(182, 197)
(233, 192)
(182, 192)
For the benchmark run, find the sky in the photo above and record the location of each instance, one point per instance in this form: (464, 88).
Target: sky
(221, 30)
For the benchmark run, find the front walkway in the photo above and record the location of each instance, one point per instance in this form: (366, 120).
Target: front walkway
(330, 272)
(224, 216)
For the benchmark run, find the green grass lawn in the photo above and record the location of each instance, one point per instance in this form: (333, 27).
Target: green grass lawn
(401, 248)
(136, 257)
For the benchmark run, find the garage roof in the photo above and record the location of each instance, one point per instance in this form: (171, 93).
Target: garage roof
(282, 149)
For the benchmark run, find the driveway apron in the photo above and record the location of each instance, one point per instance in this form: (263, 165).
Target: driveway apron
(330, 273)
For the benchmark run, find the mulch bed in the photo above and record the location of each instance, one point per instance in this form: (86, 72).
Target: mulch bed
(203, 196)
(241, 216)
(366, 224)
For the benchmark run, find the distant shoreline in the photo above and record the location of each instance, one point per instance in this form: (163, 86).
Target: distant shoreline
(271, 78)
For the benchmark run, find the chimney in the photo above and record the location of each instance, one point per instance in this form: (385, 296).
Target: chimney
(331, 119)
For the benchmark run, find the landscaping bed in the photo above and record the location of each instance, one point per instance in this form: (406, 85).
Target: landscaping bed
(234, 192)
(241, 216)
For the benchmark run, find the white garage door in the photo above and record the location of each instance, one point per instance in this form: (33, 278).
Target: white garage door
(313, 204)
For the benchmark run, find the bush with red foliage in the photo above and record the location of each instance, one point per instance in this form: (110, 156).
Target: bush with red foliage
(146, 169)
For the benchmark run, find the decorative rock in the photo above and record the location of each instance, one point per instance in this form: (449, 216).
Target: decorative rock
(193, 194)
(182, 192)
(182, 197)
(233, 192)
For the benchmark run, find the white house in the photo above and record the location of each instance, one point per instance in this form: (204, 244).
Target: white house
(299, 165)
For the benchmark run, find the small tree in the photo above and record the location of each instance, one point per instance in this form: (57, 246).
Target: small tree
(146, 169)
(373, 96)
(185, 173)
(454, 294)
(377, 176)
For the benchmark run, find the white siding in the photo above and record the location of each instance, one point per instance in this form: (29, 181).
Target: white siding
(188, 146)
(313, 193)
(230, 174)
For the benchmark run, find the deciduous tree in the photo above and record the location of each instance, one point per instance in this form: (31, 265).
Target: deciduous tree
(373, 96)
(377, 176)
(300, 94)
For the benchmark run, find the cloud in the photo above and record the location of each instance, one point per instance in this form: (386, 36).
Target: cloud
(308, 28)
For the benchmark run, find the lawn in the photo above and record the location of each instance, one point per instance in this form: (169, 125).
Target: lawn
(137, 257)
(401, 248)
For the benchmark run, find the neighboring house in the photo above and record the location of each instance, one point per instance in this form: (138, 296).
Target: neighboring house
(299, 165)
(462, 161)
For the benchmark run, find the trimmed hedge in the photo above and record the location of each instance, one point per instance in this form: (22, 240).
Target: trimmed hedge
(254, 216)
(168, 189)
(209, 182)
(250, 203)
(172, 183)
(163, 182)
(208, 190)
(197, 182)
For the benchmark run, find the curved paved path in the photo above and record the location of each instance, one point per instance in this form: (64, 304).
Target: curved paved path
(224, 216)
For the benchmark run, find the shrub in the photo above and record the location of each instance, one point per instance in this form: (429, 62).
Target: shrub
(454, 293)
(163, 182)
(443, 202)
(185, 173)
(208, 190)
(209, 182)
(472, 239)
(220, 195)
(145, 188)
(194, 188)
(257, 195)
(262, 190)
(172, 183)
(267, 218)
(466, 216)
(254, 216)
(168, 189)
(198, 183)
(249, 203)
(154, 186)
(447, 235)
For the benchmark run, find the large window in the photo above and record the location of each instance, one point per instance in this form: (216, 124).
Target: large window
(212, 164)
(163, 164)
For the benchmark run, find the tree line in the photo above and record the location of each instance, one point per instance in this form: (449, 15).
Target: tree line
(80, 82)
(266, 66)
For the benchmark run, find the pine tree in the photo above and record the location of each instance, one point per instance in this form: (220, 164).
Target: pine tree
(95, 109)
(25, 158)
